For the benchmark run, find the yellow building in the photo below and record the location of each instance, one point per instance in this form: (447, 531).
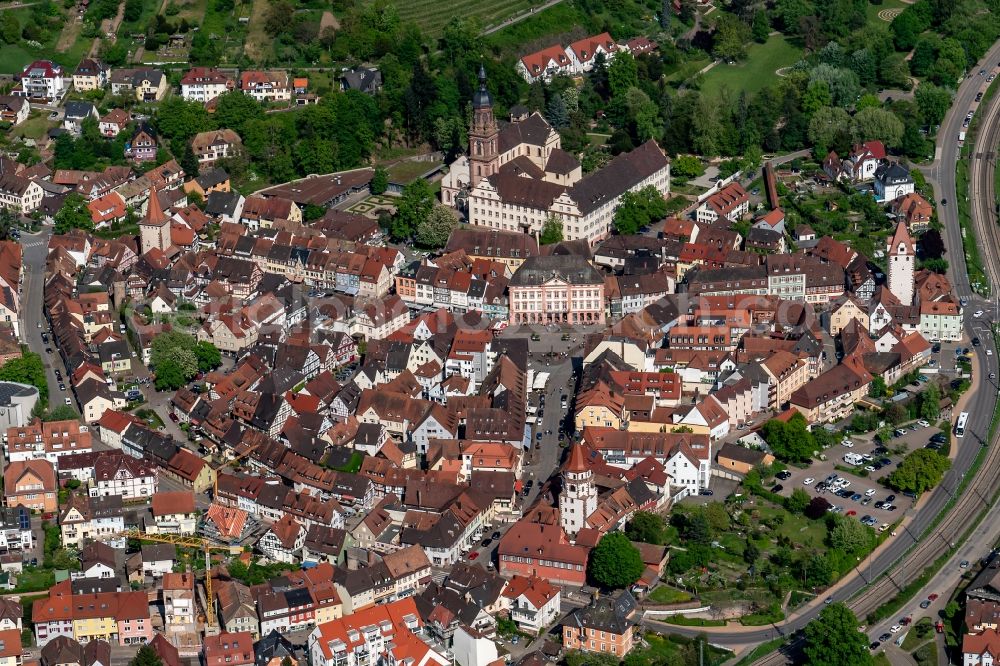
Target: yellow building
(599, 407)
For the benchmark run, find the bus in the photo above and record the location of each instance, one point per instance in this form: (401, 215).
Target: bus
(960, 424)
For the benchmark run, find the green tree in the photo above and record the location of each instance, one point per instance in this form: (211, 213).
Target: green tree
(146, 656)
(623, 75)
(169, 375)
(28, 369)
(234, 110)
(833, 639)
(208, 356)
(877, 389)
(717, 516)
(851, 536)
(930, 403)
(614, 563)
(798, 501)
(434, 230)
(647, 528)
(829, 127)
(73, 214)
(790, 441)
(687, 166)
(380, 181)
(730, 38)
(637, 209)
(878, 124)
(750, 551)
(10, 29)
(552, 232)
(933, 102)
(760, 28)
(173, 353)
(414, 207)
(920, 470)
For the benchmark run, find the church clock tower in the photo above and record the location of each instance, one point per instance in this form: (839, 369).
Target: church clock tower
(484, 135)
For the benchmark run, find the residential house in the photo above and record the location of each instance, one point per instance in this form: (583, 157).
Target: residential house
(266, 87)
(363, 79)
(892, 181)
(215, 145)
(388, 633)
(31, 484)
(203, 84)
(229, 649)
(607, 626)
(14, 110)
(535, 603)
(173, 513)
(284, 541)
(158, 559)
(19, 194)
(146, 85)
(42, 81)
(143, 145)
(90, 74)
(730, 204)
(75, 112)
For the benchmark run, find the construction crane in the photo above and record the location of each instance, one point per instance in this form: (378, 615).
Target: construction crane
(216, 470)
(191, 542)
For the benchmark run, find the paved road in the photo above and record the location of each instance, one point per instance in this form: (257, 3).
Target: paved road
(980, 405)
(35, 249)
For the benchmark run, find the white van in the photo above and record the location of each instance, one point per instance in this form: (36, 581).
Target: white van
(853, 459)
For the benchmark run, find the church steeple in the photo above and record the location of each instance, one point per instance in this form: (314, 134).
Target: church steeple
(483, 135)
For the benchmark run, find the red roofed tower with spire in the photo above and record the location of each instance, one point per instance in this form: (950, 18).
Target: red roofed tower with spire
(154, 229)
(578, 498)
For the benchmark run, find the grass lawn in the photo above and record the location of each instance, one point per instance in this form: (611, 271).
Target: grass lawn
(667, 650)
(13, 58)
(665, 594)
(34, 127)
(918, 634)
(798, 598)
(150, 417)
(881, 660)
(35, 580)
(75, 53)
(597, 139)
(873, 10)
(754, 73)
(681, 72)
(353, 465)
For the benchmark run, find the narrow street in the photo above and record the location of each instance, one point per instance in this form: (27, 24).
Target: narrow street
(33, 323)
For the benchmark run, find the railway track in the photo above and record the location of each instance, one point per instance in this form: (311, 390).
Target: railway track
(980, 493)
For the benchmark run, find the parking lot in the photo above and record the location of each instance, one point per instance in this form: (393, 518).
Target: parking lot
(860, 502)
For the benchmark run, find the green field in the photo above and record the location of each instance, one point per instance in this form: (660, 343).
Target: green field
(13, 58)
(432, 15)
(754, 73)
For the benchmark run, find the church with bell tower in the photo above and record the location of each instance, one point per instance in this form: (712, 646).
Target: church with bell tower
(517, 177)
